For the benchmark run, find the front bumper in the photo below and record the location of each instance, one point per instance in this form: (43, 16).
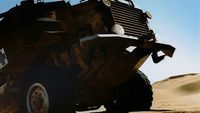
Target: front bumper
(125, 41)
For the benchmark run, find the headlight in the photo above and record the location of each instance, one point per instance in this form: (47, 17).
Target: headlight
(107, 2)
(118, 29)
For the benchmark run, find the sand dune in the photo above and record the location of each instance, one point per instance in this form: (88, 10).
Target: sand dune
(178, 93)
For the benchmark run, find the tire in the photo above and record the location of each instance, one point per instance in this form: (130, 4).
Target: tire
(46, 89)
(134, 95)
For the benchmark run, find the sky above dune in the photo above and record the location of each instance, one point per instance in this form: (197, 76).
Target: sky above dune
(175, 22)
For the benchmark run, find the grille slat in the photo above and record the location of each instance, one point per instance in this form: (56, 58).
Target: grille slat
(135, 31)
(129, 21)
(130, 18)
(127, 16)
(126, 10)
(129, 25)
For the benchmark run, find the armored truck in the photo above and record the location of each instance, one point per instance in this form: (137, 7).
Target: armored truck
(63, 58)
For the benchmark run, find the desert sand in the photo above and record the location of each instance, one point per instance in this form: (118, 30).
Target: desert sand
(177, 94)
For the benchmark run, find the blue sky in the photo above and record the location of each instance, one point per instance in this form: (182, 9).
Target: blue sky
(175, 22)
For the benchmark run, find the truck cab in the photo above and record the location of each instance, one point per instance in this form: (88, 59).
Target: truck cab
(77, 55)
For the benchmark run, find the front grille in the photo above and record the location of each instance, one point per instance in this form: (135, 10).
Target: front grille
(130, 18)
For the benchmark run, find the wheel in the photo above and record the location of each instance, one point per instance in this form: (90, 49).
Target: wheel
(134, 95)
(46, 89)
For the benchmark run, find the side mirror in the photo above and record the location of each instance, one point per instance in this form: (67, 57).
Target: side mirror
(148, 15)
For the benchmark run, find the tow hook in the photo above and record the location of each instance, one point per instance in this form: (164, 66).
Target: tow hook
(156, 58)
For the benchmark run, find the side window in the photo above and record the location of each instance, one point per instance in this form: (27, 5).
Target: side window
(3, 58)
